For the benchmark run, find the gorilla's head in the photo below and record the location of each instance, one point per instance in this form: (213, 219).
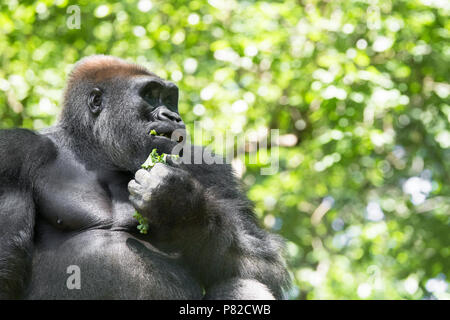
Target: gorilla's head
(110, 108)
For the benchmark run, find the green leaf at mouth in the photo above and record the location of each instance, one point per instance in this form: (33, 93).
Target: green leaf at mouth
(154, 133)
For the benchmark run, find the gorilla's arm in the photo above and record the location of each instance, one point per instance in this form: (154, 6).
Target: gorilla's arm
(21, 152)
(233, 247)
(201, 210)
(16, 240)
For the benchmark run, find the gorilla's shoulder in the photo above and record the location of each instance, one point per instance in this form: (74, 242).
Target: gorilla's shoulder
(22, 151)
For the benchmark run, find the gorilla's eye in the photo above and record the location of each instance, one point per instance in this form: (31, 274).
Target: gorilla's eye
(151, 93)
(95, 100)
(170, 98)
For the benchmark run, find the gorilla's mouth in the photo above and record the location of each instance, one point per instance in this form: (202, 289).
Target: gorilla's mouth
(166, 130)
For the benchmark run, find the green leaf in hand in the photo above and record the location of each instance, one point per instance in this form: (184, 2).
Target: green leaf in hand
(153, 159)
(143, 223)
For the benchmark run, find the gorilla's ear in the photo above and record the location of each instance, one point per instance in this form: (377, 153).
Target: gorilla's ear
(95, 101)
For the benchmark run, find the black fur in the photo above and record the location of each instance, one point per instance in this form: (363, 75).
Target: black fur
(64, 199)
(22, 154)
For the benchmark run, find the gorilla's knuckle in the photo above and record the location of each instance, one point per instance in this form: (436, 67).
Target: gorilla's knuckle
(161, 170)
(159, 167)
(140, 205)
(138, 202)
(142, 175)
(146, 196)
(133, 186)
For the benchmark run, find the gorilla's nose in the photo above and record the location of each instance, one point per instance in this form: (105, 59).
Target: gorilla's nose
(164, 114)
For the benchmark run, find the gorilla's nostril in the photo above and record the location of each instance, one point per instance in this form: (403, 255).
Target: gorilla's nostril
(165, 114)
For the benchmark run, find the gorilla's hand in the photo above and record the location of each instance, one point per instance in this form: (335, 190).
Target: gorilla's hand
(166, 195)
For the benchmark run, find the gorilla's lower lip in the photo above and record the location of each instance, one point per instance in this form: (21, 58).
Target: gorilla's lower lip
(168, 135)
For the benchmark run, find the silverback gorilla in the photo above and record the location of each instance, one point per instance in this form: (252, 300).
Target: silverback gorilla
(68, 195)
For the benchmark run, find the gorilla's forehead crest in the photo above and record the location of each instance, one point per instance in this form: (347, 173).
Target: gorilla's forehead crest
(100, 68)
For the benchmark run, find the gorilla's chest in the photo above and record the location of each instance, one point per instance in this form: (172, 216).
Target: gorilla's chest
(105, 264)
(70, 197)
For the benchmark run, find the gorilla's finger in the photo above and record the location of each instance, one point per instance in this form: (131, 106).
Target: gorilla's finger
(137, 203)
(160, 170)
(143, 177)
(134, 188)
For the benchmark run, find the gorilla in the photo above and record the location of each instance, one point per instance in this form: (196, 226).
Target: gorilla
(68, 195)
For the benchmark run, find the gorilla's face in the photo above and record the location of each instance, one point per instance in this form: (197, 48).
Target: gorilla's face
(122, 105)
(127, 110)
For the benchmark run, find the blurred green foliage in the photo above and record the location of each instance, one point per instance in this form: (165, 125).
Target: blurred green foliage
(359, 89)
